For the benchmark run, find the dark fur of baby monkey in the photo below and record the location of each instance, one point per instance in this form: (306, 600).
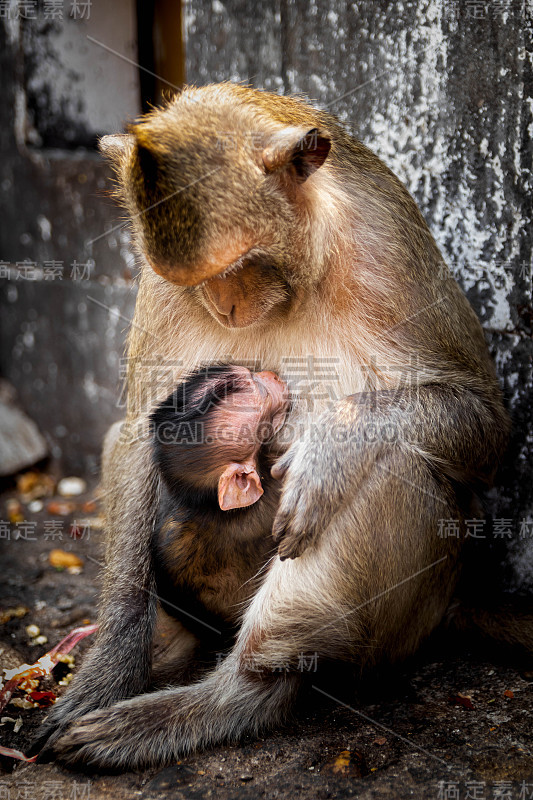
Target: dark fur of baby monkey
(267, 234)
(213, 535)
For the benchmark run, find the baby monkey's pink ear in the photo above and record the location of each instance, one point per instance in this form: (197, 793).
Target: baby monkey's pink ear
(239, 486)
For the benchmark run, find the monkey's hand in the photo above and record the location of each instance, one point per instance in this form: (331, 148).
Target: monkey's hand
(98, 684)
(80, 700)
(314, 485)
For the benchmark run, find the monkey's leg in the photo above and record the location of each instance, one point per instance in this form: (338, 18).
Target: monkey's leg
(174, 652)
(371, 589)
(118, 665)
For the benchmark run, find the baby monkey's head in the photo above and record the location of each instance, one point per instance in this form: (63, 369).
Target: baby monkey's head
(209, 433)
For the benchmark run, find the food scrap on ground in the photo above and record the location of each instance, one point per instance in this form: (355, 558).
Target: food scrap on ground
(61, 508)
(10, 613)
(11, 753)
(71, 487)
(61, 559)
(34, 485)
(26, 678)
(14, 511)
(348, 762)
(461, 699)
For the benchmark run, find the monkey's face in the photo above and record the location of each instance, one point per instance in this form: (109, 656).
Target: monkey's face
(218, 193)
(253, 417)
(240, 413)
(245, 420)
(251, 290)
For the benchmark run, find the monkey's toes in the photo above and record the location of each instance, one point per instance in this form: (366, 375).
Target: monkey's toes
(87, 740)
(42, 744)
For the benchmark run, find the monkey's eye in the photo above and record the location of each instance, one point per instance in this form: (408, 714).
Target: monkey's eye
(278, 419)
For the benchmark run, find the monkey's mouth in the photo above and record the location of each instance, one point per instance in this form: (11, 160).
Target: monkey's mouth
(243, 313)
(245, 291)
(227, 320)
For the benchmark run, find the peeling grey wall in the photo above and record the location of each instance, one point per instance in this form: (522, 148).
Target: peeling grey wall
(66, 268)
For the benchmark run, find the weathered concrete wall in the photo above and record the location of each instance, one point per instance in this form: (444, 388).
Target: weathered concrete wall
(442, 90)
(60, 272)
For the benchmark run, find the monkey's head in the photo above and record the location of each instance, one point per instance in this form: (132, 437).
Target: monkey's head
(209, 433)
(220, 188)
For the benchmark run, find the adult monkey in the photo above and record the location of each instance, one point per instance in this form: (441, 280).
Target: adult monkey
(269, 234)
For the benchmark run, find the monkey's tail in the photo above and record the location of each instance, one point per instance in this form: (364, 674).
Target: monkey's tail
(508, 624)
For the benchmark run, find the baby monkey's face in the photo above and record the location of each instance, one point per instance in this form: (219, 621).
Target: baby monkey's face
(252, 415)
(243, 422)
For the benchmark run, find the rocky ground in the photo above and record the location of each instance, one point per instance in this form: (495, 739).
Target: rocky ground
(456, 723)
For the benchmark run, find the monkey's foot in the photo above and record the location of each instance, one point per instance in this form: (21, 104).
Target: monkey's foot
(79, 702)
(150, 730)
(116, 737)
(156, 728)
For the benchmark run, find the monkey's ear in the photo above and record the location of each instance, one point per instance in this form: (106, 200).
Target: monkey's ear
(116, 146)
(239, 486)
(147, 154)
(299, 149)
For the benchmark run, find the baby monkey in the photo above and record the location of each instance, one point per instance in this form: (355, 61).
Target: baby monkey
(212, 445)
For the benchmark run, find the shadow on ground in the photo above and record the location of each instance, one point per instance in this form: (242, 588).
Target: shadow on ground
(454, 723)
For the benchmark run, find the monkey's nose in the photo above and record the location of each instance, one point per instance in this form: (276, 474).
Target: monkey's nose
(223, 306)
(275, 387)
(221, 299)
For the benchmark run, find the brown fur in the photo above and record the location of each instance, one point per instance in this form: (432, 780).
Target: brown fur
(356, 280)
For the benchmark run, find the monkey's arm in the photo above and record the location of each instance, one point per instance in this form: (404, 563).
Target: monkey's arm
(458, 433)
(118, 665)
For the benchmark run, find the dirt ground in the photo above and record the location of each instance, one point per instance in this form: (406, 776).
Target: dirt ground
(454, 723)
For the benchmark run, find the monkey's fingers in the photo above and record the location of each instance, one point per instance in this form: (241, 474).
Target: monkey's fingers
(293, 546)
(279, 528)
(292, 538)
(304, 512)
(292, 549)
(281, 466)
(62, 714)
(42, 744)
